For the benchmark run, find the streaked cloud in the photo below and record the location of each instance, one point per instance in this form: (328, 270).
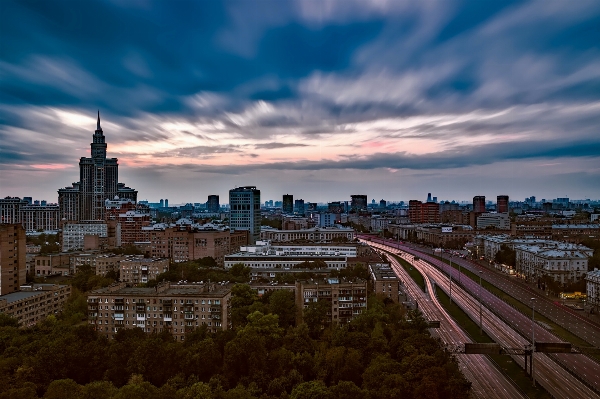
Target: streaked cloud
(301, 91)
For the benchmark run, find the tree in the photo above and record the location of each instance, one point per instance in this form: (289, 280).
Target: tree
(63, 389)
(506, 256)
(310, 390)
(282, 304)
(8, 321)
(315, 316)
(241, 271)
(346, 390)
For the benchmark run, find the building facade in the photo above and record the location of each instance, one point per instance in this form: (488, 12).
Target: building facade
(313, 235)
(502, 204)
(385, 281)
(479, 204)
(32, 304)
(13, 257)
(98, 181)
(74, 234)
(176, 308)
(500, 221)
(288, 204)
(358, 203)
(40, 217)
(592, 280)
(244, 211)
(212, 205)
(185, 243)
(347, 299)
(140, 270)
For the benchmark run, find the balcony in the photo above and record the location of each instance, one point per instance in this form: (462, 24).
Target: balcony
(189, 316)
(140, 317)
(168, 317)
(118, 316)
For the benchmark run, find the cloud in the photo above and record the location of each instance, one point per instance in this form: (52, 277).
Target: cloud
(274, 146)
(330, 85)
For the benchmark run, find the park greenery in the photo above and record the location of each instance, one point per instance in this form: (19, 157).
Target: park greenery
(49, 243)
(268, 354)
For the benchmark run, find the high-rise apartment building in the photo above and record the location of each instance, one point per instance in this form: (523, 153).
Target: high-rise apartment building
(13, 268)
(479, 204)
(359, 203)
(288, 204)
(98, 181)
(68, 203)
(244, 211)
(10, 209)
(419, 212)
(212, 205)
(33, 217)
(502, 204)
(98, 177)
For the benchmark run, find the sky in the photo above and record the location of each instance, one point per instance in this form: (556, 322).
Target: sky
(319, 99)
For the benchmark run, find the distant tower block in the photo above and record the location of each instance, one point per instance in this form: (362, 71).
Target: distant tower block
(502, 204)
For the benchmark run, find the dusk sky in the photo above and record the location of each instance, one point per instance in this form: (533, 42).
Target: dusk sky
(319, 99)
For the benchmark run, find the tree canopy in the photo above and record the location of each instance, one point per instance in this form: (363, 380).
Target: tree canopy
(380, 354)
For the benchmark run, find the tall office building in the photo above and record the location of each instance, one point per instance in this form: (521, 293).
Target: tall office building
(359, 202)
(479, 204)
(288, 204)
(98, 181)
(212, 205)
(299, 206)
(502, 204)
(244, 211)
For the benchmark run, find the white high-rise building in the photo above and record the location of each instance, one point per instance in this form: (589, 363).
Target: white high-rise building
(244, 211)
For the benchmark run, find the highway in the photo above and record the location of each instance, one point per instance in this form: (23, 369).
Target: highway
(487, 381)
(512, 329)
(573, 321)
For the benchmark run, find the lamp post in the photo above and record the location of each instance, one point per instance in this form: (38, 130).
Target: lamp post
(532, 337)
(480, 319)
(450, 274)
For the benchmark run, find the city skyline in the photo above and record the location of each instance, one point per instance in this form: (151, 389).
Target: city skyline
(320, 100)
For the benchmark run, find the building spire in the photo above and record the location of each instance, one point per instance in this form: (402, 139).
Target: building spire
(98, 126)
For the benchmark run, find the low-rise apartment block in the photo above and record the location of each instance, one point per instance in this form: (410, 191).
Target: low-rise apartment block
(592, 280)
(53, 264)
(347, 299)
(140, 270)
(309, 235)
(183, 243)
(100, 263)
(35, 302)
(176, 308)
(385, 281)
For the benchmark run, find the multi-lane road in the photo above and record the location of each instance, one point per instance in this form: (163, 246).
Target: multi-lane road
(573, 321)
(557, 373)
(487, 381)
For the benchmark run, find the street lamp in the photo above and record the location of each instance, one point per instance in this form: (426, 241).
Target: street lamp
(480, 323)
(450, 274)
(532, 337)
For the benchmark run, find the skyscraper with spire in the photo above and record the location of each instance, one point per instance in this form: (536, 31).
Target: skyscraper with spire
(98, 181)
